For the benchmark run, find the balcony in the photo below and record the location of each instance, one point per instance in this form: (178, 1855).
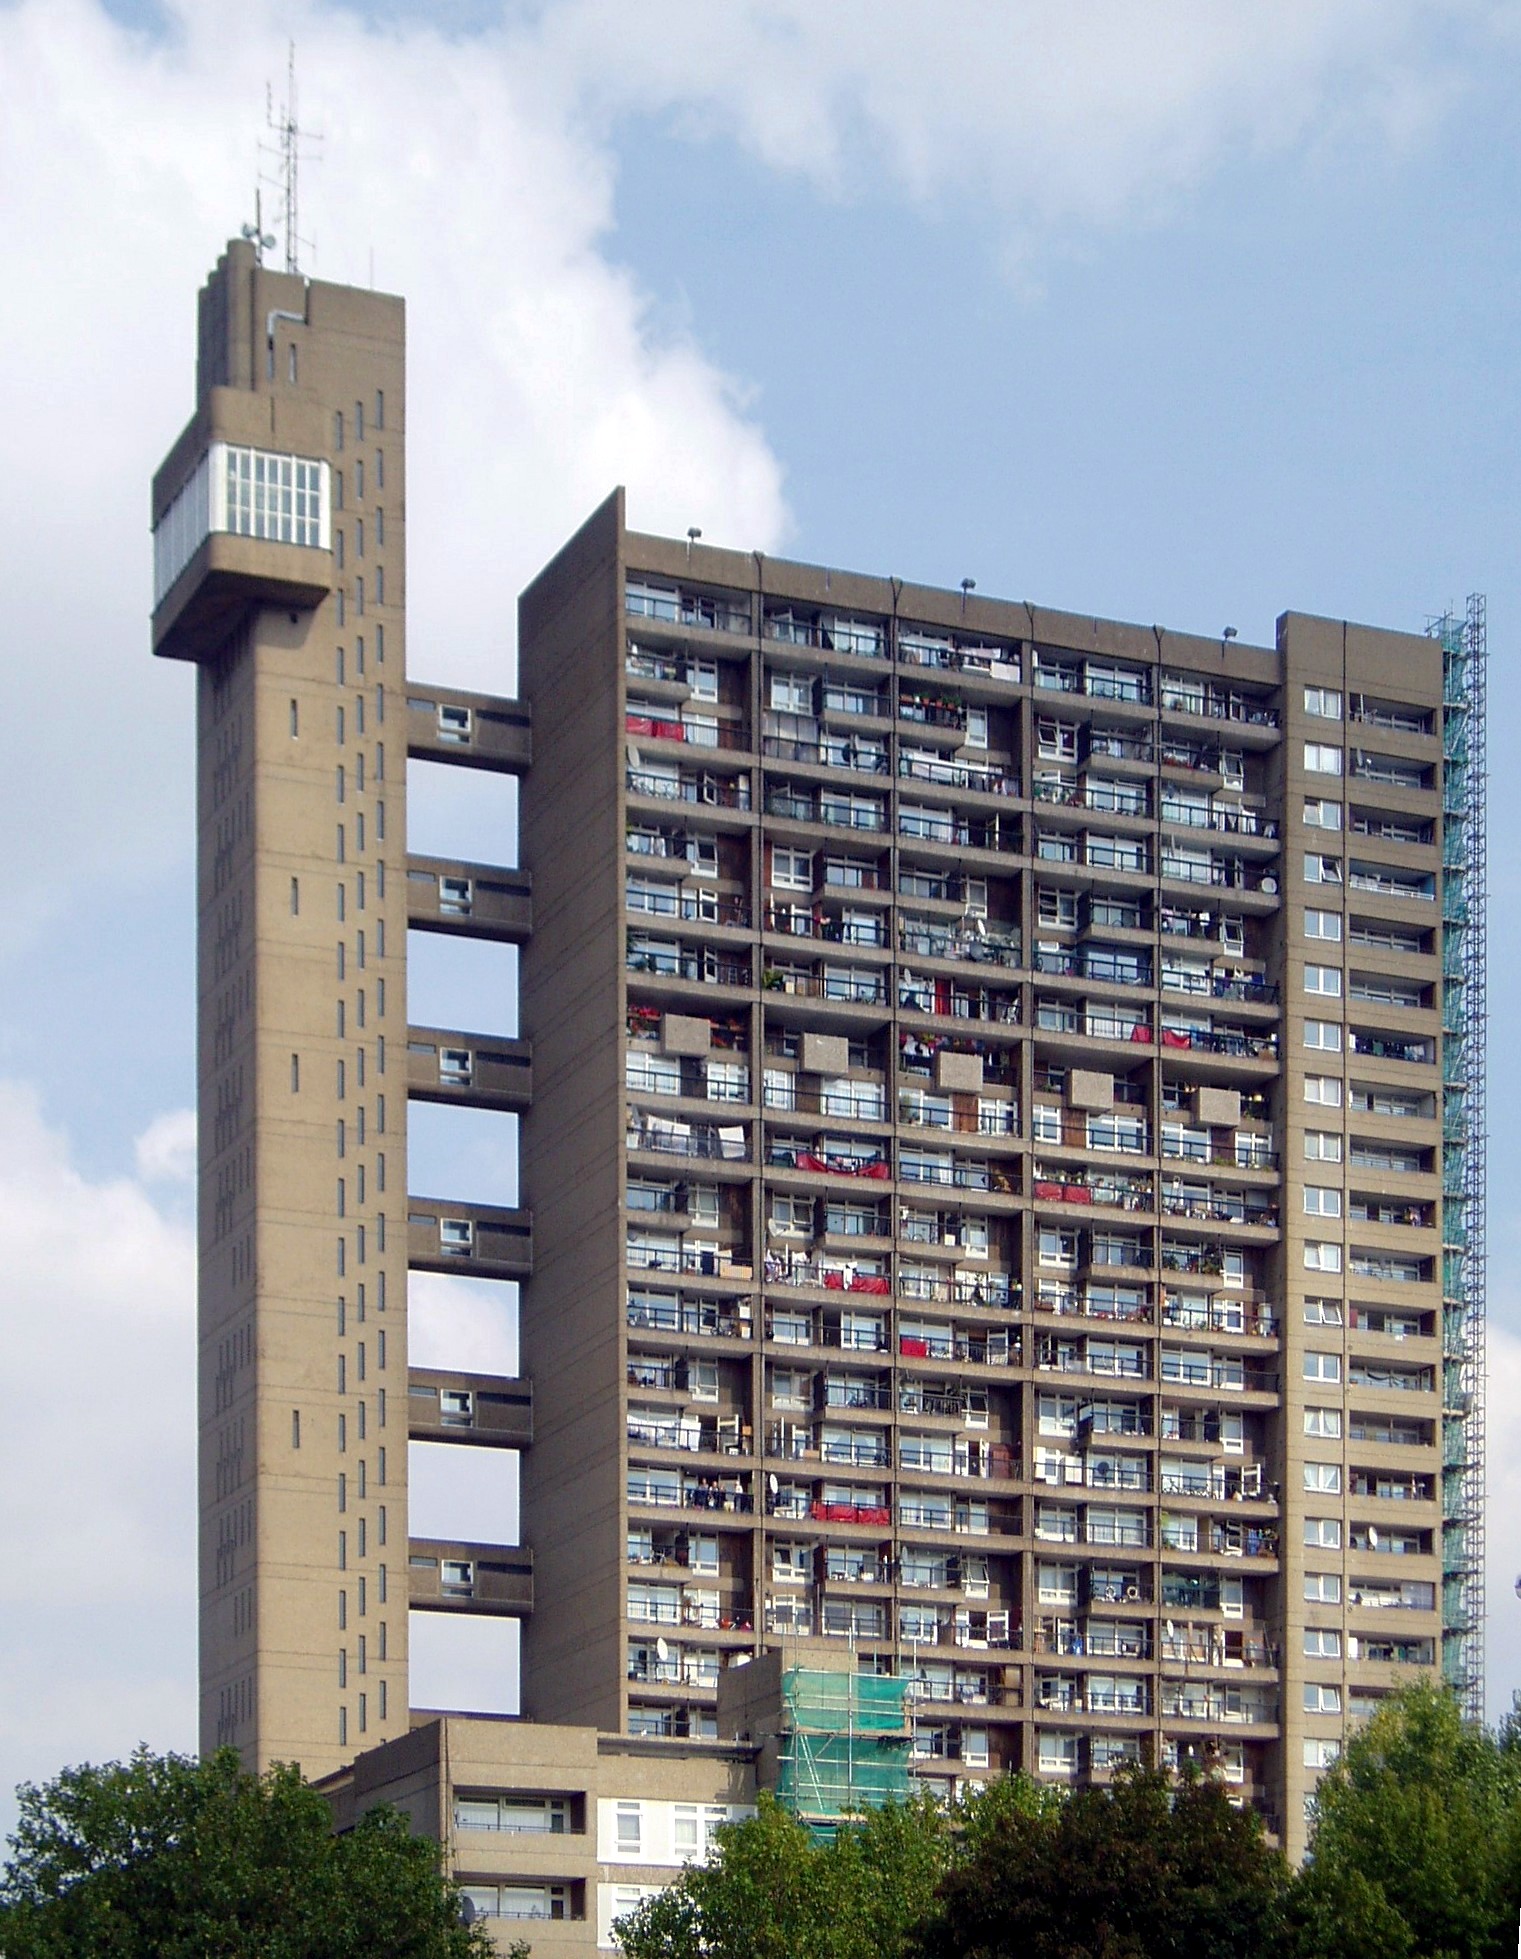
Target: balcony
(449, 1576)
(799, 922)
(933, 711)
(691, 1432)
(983, 1347)
(490, 1410)
(864, 639)
(725, 1142)
(474, 901)
(981, 778)
(953, 655)
(856, 986)
(472, 731)
(834, 812)
(673, 959)
(714, 612)
(866, 756)
(700, 906)
(1177, 695)
(485, 1241)
(726, 1319)
(678, 786)
(972, 940)
(697, 732)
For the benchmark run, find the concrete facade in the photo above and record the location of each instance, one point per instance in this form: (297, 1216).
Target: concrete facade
(983, 1077)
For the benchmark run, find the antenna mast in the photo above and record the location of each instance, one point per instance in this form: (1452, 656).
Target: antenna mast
(287, 150)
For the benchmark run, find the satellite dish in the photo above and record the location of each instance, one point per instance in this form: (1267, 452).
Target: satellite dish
(634, 757)
(773, 1486)
(1373, 1537)
(467, 1911)
(1171, 1630)
(662, 1649)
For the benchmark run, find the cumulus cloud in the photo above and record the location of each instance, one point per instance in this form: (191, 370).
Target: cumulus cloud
(476, 172)
(1052, 114)
(538, 379)
(97, 1454)
(165, 1152)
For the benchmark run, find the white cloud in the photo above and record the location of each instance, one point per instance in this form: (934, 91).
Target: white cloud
(537, 378)
(1050, 113)
(97, 1455)
(165, 1152)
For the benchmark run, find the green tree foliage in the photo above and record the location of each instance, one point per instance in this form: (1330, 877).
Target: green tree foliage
(164, 1857)
(1416, 1851)
(771, 1892)
(1148, 1868)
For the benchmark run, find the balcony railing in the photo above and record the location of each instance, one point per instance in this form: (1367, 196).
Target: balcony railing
(714, 791)
(702, 907)
(726, 1319)
(862, 758)
(688, 962)
(684, 608)
(985, 778)
(698, 734)
(728, 1142)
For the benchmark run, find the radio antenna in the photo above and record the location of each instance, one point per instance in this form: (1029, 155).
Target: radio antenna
(289, 152)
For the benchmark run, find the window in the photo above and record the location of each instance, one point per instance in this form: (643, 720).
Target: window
(1321, 1698)
(1054, 907)
(1321, 1201)
(1320, 814)
(1324, 1422)
(1322, 1533)
(791, 693)
(1323, 1478)
(792, 870)
(630, 1833)
(1323, 979)
(1321, 1366)
(1322, 1643)
(1320, 1752)
(1323, 1034)
(1322, 925)
(1322, 1312)
(1321, 759)
(1322, 1146)
(1324, 1090)
(1322, 1588)
(1319, 1256)
(1324, 702)
(1321, 870)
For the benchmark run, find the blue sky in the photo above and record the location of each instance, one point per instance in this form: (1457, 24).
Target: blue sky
(1166, 312)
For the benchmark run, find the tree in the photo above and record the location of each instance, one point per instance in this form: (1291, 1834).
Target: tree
(772, 1892)
(1416, 1849)
(164, 1857)
(1149, 1867)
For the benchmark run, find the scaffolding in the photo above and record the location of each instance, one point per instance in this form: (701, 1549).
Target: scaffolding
(1463, 638)
(844, 1744)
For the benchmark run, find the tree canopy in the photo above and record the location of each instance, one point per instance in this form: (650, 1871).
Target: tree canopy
(1416, 1850)
(1151, 1866)
(164, 1857)
(1415, 1854)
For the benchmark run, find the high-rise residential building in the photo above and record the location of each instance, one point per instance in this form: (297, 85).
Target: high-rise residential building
(1002, 1168)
